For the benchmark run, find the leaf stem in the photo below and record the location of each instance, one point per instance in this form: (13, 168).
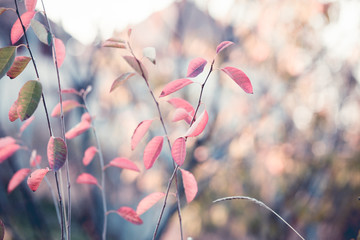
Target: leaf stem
(61, 206)
(261, 204)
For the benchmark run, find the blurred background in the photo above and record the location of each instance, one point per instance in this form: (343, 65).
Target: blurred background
(293, 144)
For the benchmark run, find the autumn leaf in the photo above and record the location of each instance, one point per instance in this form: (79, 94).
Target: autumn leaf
(78, 129)
(56, 153)
(181, 103)
(17, 30)
(199, 125)
(36, 178)
(60, 51)
(223, 45)
(190, 185)
(196, 67)
(8, 151)
(7, 57)
(30, 5)
(26, 124)
(178, 151)
(140, 132)
(17, 178)
(174, 86)
(18, 66)
(130, 215)
(239, 77)
(124, 163)
(147, 202)
(123, 77)
(89, 155)
(86, 178)
(29, 98)
(67, 106)
(152, 151)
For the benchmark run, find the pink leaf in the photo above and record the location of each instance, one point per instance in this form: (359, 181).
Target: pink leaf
(67, 106)
(56, 152)
(18, 66)
(26, 124)
(181, 114)
(140, 132)
(89, 155)
(8, 151)
(114, 44)
(117, 82)
(36, 178)
(223, 45)
(34, 159)
(147, 202)
(16, 30)
(152, 151)
(86, 117)
(17, 178)
(13, 115)
(190, 185)
(199, 125)
(60, 51)
(124, 163)
(86, 178)
(5, 141)
(129, 215)
(178, 151)
(240, 78)
(30, 5)
(181, 103)
(174, 86)
(134, 63)
(78, 129)
(196, 67)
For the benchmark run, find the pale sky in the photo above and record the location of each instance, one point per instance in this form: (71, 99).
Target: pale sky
(84, 19)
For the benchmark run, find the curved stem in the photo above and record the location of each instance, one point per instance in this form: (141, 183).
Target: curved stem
(102, 186)
(261, 204)
(168, 141)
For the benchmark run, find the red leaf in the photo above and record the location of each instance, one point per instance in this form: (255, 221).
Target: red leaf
(181, 103)
(89, 155)
(67, 106)
(175, 85)
(36, 178)
(124, 163)
(5, 141)
(16, 30)
(60, 51)
(147, 202)
(8, 151)
(86, 178)
(117, 82)
(17, 178)
(135, 65)
(30, 5)
(199, 125)
(190, 185)
(129, 215)
(18, 66)
(240, 78)
(13, 115)
(178, 151)
(26, 124)
(78, 129)
(152, 151)
(181, 114)
(223, 45)
(140, 132)
(34, 159)
(196, 67)
(56, 152)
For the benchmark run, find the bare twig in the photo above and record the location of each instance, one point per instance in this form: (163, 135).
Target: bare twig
(261, 204)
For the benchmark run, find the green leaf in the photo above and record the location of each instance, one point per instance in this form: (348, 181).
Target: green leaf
(56, 152)
(29, 98)
(7, 57)
(40, 31)
(18, 66)
(2, 230)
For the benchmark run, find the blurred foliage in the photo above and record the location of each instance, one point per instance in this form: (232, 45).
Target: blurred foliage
(294, 144)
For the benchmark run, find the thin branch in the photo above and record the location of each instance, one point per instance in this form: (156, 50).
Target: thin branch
(101, 158)
(61, 206)
(261, 204)
(62, 122)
